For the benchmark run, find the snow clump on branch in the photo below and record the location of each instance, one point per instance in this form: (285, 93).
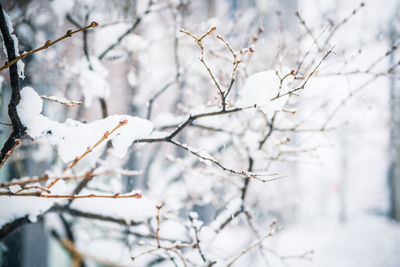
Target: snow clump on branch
(72, 138)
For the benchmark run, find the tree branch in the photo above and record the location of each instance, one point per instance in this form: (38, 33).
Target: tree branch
(18, 128)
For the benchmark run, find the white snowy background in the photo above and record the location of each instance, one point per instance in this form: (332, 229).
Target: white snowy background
(331, 202)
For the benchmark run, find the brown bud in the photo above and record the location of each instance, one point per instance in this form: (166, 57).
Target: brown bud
(69, 33)
(47, 44)
(94, 24)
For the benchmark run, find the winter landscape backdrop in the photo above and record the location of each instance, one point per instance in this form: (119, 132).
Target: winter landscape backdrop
(200, 133)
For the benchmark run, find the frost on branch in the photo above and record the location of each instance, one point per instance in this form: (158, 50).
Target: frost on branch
(20, 64)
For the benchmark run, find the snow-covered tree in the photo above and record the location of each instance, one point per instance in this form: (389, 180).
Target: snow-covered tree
(170, 132)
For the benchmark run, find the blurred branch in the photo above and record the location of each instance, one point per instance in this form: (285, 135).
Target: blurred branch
(6, 124)
(132, 28)
(271, 232)
(309, 31)
(77, 256)
(46, 177)
(103, 104)
(11, 226)
(155, 96)
(196, 234)
(243, 194)
(344, 21)
(307, 79)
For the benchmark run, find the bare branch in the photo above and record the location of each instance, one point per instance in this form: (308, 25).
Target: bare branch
(48, 44)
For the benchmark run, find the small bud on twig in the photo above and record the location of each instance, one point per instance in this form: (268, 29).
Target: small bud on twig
(47, 44)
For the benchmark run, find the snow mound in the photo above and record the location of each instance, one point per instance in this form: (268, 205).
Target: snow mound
(261, 87)
(72, 138)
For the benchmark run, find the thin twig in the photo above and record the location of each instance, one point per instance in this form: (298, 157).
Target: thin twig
(17, 142)
(48, 44)
(62, 102)
(202, 59)
(127, 32)
(271, 232)
(344, 21)
(196, 235)
(90, 149)
(236, 63)
(33, 187)
(6, 124)
(206, 157)
(93, 216)
(159, 207)
(39, 194)
(308, 77)
(46, 177)
(155, 96)
(309, 31)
